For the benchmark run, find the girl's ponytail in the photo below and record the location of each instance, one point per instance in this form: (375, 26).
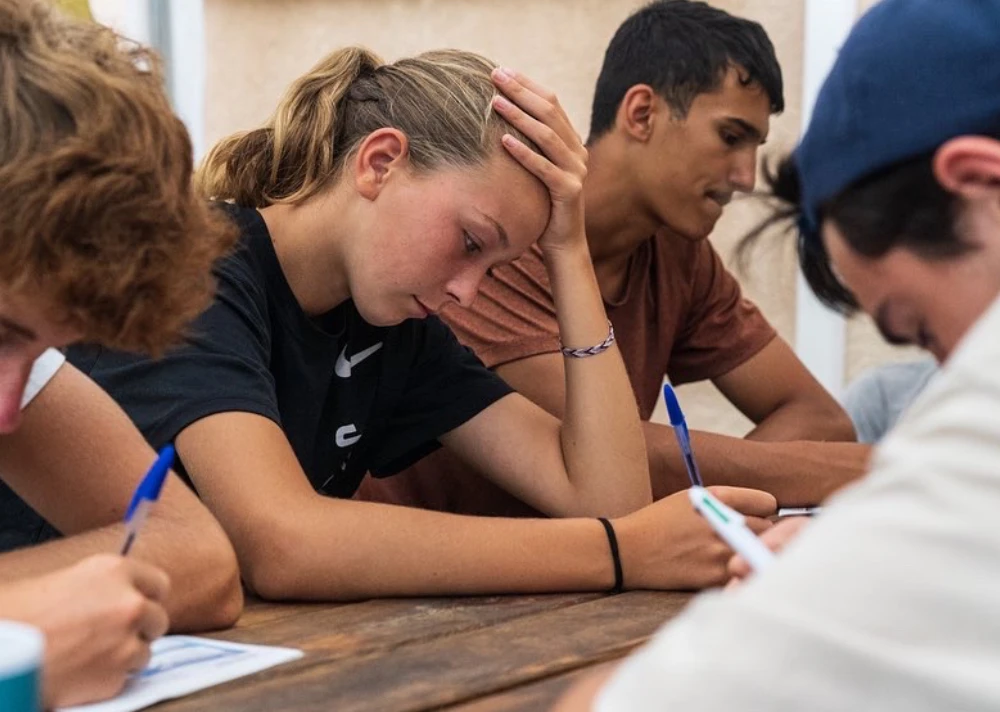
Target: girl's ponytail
(292, 156)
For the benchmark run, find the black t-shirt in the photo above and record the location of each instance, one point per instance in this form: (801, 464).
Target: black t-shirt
(351, 397)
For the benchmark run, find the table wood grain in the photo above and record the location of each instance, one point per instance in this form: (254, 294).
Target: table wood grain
(476, 654)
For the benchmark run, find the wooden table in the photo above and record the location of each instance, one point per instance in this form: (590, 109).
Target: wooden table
(481, 654)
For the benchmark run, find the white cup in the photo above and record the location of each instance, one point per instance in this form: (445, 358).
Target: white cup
(22, 648)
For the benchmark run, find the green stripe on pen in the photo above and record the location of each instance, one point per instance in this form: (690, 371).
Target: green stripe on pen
(711, 505)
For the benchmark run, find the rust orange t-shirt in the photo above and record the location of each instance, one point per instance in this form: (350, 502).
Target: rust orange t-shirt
(681, 314)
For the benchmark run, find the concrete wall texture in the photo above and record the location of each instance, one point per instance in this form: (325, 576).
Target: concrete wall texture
(256, 47)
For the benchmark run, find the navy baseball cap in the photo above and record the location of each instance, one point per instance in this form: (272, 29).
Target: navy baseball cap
(911, 75)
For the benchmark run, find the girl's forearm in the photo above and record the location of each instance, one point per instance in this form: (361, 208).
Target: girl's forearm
(602, 440)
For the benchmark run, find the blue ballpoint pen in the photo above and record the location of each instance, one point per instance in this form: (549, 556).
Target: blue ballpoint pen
(681, 431)
(147, 493)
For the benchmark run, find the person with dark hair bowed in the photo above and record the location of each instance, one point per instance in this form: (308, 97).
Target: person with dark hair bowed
(682, 105)
(102, 238)
(888, 601)
(376, 194)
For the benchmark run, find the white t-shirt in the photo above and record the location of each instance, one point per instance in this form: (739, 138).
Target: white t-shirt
(880, 396)
(888, 601)
(42, 371)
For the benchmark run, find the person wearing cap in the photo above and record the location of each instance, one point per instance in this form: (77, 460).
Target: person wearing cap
(889, 599)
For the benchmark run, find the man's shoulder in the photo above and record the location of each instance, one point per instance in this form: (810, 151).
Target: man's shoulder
(513, 316)
(526, 277)
(511, 290)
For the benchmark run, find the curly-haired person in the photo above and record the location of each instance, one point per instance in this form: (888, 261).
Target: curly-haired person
(102, 239)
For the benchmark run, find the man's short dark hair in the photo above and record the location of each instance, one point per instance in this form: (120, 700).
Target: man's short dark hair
(682, 49)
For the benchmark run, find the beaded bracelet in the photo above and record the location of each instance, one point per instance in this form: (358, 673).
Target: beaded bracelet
(591, 350)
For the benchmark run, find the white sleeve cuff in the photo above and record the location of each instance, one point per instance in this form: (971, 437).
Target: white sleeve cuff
(42, 371)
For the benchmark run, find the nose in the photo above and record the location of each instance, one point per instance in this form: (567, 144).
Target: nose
(13, 377)
(464, 287)
(744, 173)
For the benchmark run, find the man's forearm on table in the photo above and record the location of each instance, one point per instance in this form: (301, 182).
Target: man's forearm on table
(797, 473)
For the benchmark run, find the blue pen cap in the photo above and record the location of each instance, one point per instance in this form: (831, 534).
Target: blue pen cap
(673, 407)
(152, 483)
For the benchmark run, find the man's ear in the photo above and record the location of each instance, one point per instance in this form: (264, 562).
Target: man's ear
(638, 111)
(968, 166)
(380, 155)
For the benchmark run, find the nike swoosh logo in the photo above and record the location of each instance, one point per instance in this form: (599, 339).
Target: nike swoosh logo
(344, 365)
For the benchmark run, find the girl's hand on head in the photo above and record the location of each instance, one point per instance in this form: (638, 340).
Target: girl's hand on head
(535, 111)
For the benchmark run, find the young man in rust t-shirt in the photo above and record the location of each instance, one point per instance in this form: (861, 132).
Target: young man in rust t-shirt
(681, 107)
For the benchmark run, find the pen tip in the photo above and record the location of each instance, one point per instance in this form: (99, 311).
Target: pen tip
(673, 407)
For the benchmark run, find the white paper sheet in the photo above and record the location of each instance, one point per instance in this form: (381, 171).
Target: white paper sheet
(182, 664)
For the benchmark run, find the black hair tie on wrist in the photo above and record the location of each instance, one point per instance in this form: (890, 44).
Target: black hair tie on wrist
(615, 557)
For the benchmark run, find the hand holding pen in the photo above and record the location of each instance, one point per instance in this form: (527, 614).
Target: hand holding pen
(731, 527)
(729, 524)
(122, 612)
(117, 605)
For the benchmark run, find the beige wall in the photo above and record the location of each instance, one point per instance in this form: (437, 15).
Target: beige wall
(110, 12)
(256, 47)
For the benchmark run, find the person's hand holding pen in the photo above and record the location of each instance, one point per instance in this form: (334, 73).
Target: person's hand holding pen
(695, 556)
(98, 616)
(667, 545)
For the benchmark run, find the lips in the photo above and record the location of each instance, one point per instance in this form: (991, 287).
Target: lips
(721, 198)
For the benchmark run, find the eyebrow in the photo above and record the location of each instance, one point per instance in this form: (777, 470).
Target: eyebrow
(504, 240)
(752, 131)
(22, 331)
